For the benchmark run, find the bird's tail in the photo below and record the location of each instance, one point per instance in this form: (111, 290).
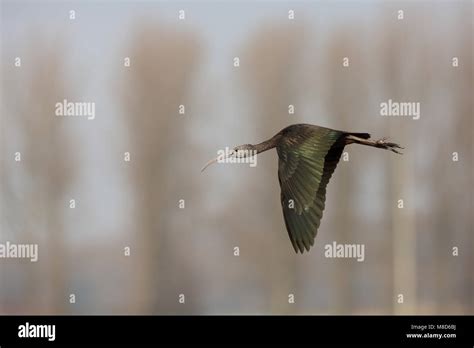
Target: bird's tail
(363, 139)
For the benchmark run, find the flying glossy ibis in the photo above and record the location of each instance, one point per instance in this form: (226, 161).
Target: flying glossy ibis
(307, 155)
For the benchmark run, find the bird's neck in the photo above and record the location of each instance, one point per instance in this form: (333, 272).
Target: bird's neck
(267, 144)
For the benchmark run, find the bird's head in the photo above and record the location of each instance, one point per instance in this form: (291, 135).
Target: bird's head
(241, 151)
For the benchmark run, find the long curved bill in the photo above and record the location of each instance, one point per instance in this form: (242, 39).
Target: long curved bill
(214, 160)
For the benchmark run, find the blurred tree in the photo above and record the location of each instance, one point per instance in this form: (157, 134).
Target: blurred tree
(271, 74)
(159, 77)
(47, 170)
(397, 88)
(345, 97)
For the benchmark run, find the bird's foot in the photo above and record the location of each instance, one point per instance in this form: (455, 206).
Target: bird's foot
(388, 146)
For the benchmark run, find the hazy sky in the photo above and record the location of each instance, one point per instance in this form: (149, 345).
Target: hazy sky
(95, 44)
(93, 47)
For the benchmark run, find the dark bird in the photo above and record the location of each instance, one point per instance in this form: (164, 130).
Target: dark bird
(308, 155)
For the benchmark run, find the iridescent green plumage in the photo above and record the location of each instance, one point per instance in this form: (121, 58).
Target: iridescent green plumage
(306, 162)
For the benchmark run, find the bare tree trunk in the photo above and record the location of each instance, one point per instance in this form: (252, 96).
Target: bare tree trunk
(271, 63)
(160, 73)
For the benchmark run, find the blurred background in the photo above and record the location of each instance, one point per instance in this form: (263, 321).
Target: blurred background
(190, 62)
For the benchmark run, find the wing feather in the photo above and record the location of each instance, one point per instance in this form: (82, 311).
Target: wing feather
(306, 163)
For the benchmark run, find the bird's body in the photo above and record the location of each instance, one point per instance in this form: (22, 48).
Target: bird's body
(308, 156)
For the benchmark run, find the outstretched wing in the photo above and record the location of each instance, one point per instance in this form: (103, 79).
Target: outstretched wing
(306, 163)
